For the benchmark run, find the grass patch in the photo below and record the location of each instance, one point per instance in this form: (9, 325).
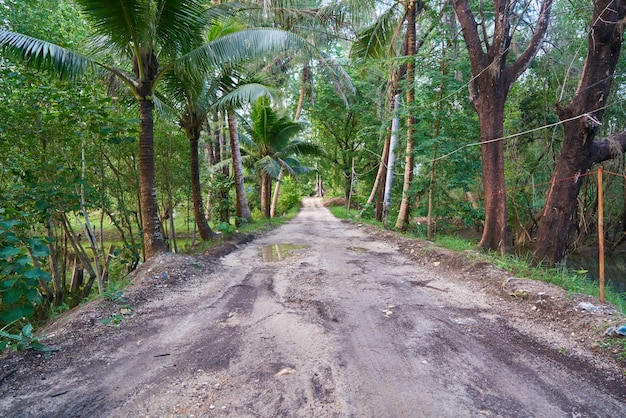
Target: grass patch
(342, 212)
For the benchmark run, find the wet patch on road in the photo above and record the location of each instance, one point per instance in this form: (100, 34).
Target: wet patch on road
(278, 252)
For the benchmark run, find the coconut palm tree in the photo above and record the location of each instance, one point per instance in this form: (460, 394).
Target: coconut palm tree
(271, 147)
(138, 41)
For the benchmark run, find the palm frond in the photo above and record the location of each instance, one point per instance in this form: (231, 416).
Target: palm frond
(241, 46)
(120, 21)
(378, 39)
(44, 55)
(247, 93)
(270, 166)
(301, 147)
(179, 26)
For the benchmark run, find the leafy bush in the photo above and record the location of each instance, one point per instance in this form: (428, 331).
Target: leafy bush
(290, 196)
(20, 277)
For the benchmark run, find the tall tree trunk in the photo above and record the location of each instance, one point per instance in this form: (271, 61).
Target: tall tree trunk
(305, 87)
(491, 117)
(281, 177)
(581, 119)
(403, 215)
(196, 192)
(154, 242)
(266, 190)
(393, 140)
(491, 81)
(242, 210)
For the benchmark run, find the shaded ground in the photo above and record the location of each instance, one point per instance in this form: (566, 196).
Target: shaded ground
(345, 321)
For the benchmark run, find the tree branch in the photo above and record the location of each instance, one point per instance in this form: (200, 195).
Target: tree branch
(478, 58)
(608, 148)
(531, 50)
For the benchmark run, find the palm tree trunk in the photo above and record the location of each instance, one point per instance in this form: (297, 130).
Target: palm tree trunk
(266, 188)
(154, 242)
(304, 87)
(403, 215)
(196, 192)
(281, 176)
(242, 209)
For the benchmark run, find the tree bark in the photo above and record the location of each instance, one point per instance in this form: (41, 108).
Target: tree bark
(281, 176)
(196, 192)
(242, 209)
(154, 242)
(266, 190)
(489, 86)
(581, 119)
(403, 215)
(305, 87)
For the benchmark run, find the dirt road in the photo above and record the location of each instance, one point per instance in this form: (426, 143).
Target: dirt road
(316, 319)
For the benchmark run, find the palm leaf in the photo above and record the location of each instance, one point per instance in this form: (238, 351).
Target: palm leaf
(44, 55)
(239, 47)
(118, 20)
(378, 39)
(247, 93)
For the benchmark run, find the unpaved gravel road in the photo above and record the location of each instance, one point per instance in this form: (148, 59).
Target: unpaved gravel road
(344, 325)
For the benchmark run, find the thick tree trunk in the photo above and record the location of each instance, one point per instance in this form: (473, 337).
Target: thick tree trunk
(581, 118)
(196, 191)
(491, 80)
(241, 206)
(491, 116)
(403, 215)
(154, 242)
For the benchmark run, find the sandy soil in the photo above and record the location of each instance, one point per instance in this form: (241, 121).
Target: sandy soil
(323, 318)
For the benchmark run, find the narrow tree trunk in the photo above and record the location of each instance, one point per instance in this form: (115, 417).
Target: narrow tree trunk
(403, 215)
(281, 177)
(196, 192)
(305, 86)
(395, 126)
(581, 119)
(242, 210)
(154, 242)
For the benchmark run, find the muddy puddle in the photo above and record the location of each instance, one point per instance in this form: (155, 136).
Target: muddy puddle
(278, 252)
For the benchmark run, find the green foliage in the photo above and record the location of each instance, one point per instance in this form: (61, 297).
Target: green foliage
(290, 195)
(19, 277)
(24, 339)
(219, 198)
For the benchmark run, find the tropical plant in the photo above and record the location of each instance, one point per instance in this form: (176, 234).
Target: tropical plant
(272, 148)
(138, 41)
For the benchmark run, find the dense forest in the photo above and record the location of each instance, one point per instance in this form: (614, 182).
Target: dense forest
(129, 128)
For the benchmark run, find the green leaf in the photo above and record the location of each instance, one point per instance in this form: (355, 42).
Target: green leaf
(27, 330)
(33, 296)
(9, 224)
(38, 248)
(8, 252)
(11, 296)
(37, 273)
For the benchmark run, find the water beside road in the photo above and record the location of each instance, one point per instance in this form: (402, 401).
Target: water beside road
(614, 267)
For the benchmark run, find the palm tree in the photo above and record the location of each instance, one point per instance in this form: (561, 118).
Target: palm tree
(381, 39)
(271, 148)
(146, 38)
